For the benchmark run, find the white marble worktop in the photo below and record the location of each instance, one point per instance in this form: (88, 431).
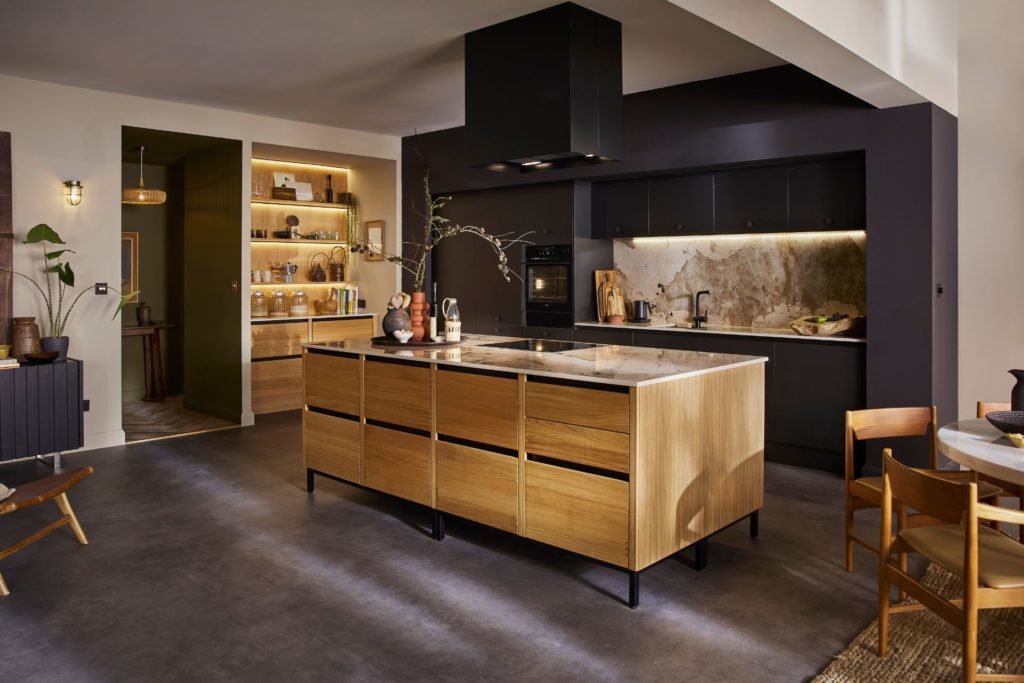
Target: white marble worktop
(768, 332)
(604, 364)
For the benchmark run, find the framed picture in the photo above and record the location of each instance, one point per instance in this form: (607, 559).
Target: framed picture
(375, 240)
(130, 264)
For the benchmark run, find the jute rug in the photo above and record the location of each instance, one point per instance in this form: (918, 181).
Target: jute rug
(923, 647)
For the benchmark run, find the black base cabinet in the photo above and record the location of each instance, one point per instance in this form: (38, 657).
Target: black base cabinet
(41, 410)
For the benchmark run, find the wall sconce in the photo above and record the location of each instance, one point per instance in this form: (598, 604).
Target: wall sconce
(73, 192)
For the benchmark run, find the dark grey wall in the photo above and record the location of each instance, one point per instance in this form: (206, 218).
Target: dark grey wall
(785, 113)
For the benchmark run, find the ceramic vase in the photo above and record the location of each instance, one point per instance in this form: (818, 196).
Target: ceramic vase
(25, 337)
(1017, 395)
(418, 313)
(395, 319)
(144, 314)
(58, 344)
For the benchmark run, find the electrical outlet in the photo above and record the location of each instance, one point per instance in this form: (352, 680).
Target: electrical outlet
(101, 288)
(85, 405)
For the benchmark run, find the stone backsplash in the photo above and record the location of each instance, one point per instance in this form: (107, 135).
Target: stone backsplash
(761, 281)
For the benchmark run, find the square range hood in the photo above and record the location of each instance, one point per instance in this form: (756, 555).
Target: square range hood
(544, 90)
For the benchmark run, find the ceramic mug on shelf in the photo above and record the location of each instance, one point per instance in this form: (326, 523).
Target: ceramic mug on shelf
(268, 276)
(256, 276)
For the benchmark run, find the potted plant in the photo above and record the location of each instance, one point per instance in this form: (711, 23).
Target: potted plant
(57, 297)
(436, 229)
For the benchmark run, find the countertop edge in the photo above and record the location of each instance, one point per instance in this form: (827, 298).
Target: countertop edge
(761, 335)
(753, 360)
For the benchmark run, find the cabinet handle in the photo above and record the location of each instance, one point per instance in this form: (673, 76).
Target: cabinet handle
(828, 220)
(497, 318)
(679, 227)
(618, 228)
(749, 224)
(547, 231)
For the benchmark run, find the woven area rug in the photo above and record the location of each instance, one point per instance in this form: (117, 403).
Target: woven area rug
(923, 647)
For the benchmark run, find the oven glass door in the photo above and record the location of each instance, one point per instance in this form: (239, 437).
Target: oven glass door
(547, 285)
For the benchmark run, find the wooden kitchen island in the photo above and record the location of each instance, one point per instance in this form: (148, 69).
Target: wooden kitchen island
(624, 455)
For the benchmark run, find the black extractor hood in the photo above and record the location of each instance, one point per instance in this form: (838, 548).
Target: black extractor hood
(544, 90)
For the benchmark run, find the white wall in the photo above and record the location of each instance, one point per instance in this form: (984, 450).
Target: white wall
(59, 132)
(914, 41)
(991, 194)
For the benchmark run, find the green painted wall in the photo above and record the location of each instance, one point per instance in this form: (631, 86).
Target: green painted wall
(161, 244)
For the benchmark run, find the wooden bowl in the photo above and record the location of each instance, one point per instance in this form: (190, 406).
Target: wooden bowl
(1007, 421)
(42, 357)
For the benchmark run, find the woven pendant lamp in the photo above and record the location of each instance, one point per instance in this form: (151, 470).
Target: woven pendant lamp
(142, 194)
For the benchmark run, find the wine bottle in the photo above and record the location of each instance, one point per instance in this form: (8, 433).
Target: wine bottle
(329, 194)
(433, 313)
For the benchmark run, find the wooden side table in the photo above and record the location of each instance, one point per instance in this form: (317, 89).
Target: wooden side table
(151, 354)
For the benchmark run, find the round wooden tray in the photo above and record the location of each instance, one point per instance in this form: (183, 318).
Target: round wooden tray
(391, 341)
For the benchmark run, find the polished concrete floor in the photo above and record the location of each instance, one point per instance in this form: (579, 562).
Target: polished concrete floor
(208, 561)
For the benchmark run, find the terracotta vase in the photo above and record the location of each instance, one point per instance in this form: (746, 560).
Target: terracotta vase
(25, 338)
(418, 313)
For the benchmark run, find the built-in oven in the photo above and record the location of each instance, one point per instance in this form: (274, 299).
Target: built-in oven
(548, 285)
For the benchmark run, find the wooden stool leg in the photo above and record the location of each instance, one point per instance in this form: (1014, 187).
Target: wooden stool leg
(3, 587)
(65, 507)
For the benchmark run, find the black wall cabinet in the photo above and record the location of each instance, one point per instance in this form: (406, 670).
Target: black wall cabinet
(682, 205)
(751, 200)
(827, 195)
(620, 209)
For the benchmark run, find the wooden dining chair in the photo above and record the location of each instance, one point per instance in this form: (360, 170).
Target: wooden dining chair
(53, 488)
(1010, 489)
(866, 492)
(990, 563)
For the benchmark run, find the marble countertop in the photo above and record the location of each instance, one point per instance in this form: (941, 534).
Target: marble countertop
(604, 364)
(780, 333)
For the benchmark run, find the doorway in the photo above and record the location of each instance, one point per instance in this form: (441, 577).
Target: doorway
(180, 358)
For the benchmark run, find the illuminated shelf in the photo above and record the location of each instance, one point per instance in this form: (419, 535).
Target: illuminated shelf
(274, 240)
(296, 203)
(299, 283)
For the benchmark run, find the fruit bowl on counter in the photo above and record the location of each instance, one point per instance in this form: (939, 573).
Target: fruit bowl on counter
(825, 325)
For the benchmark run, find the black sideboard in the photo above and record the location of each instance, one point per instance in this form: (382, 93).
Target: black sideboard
(41, 410)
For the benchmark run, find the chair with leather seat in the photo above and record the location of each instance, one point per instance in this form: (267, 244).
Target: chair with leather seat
(990, 563)
(866, 492)
(1010, 489)
(53, 488)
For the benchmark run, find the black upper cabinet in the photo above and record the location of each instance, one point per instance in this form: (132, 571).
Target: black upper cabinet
(682, 205)
(620, 209)
(751, 200)
(827, 195)
(546, 212)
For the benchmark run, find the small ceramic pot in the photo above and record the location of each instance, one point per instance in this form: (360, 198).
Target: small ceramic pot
(395, 319)
(403, 336)
(5, 351)
(615, 320)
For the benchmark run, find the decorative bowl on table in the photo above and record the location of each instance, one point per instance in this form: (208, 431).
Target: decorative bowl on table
(42, 357)
(1007, 421)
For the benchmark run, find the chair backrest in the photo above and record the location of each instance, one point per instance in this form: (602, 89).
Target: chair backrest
(943, 499)
(887, 423)
(986, 407)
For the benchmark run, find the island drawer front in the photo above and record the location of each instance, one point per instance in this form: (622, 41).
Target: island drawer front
(397, 463)
(583, 445)
(598, 408)
(332, 382)
(477, 484)
(272, 340)
(331, 445)
(277, 385)
(478, 407)
(582, 512)
(398, 393)
(339, 330)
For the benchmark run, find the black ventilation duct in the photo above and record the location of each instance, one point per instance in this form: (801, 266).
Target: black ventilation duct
(544, 90)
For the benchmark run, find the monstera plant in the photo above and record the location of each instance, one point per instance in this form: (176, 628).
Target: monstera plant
(59, 294)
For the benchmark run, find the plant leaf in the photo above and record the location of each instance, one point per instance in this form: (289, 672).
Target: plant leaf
(125, 300)
(66, 275)
(50, 255)
(43, 233)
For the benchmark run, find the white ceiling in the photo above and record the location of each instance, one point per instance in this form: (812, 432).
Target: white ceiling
(385, 66)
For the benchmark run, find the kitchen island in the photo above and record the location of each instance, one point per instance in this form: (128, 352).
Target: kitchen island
(624, 455)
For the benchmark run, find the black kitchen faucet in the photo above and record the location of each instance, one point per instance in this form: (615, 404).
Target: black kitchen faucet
(699, 319)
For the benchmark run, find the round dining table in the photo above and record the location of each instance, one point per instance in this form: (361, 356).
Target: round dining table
(981, 447)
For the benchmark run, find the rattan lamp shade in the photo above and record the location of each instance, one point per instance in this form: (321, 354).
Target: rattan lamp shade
(142, 195)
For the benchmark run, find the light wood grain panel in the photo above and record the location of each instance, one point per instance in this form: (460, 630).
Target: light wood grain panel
(577, 405)
(477, 485)
(397, 463)
(332, 446)
(276, 385)
(700, 458)
(584, 445)
(581, 512)
(398, 393)
(340, 330)
(332, 382)
(478, 407)
(279, 339)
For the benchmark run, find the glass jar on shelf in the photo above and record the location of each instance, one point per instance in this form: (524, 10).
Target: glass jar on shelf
(278, 305)
(298, 304)
(258, 305)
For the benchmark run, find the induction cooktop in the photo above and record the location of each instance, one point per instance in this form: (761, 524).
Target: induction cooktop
(549, 345)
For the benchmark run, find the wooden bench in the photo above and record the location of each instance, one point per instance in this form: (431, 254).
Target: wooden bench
(52, 488)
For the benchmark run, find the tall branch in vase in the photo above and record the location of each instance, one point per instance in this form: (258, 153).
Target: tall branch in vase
(436, 229)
